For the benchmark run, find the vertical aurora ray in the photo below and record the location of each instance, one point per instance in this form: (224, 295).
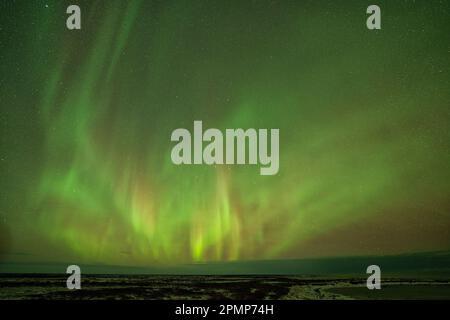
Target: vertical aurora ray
(363, 121)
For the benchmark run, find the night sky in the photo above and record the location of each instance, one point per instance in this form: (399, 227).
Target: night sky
(87, 115)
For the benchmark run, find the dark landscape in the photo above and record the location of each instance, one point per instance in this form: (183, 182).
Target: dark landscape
(136, 287)
(408, 276)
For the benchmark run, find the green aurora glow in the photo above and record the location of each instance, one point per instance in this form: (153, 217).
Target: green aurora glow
(86, 119)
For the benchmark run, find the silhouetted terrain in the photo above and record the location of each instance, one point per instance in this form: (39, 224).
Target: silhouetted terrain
(411, 276)
(215, 287)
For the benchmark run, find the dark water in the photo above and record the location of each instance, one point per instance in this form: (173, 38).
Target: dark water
(132, 287)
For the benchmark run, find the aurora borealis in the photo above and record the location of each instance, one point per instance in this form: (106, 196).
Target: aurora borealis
(86, 119)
